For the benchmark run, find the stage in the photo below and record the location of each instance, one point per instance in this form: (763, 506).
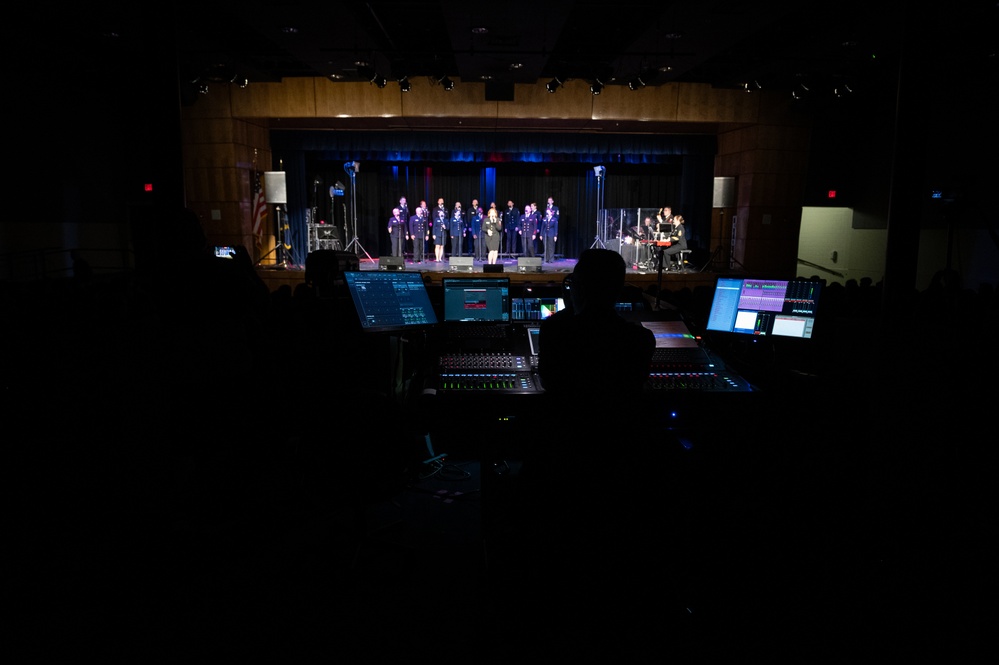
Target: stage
(551, 273)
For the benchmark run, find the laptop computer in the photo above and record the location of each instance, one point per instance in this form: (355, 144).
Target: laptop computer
(477, 313)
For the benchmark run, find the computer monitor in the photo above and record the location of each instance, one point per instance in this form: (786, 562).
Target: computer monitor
(767, 307)
(390, 301)
(536, 308)
(482, 299)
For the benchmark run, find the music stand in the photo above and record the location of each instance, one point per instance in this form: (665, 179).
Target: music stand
(351, 169)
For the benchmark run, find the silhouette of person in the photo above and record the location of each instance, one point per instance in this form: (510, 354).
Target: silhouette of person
(570, 365)
(575, 503)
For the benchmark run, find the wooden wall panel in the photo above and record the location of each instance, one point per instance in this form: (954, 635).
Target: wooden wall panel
(357, 100)
(292, 98)
(216, 104)
(618, 102)
(214, 184)
(646, 105)
(206, 155)
(699, 101)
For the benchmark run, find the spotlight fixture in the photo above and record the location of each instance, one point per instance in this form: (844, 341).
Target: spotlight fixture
(599, 171)
(380, 81)
(404, 84)
(752, 86)
(800, 91)
(843, 90)
(636, 83)
(447, 83)
(553, 85)
(596, 87)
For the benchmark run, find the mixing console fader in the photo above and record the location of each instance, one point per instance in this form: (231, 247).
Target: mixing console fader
(705, 380)
(477, 361)
(478, 373)
(479, 382)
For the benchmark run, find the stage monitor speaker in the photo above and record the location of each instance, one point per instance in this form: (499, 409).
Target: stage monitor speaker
(275, 187)
(461, 264)
(528, 264)
(724, 195)
(492, 267)
(391, 263)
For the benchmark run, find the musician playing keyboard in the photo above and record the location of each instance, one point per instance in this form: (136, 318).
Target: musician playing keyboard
(677, 240)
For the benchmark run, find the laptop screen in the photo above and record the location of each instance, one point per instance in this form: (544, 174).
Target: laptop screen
(390, 301)
(481, 299)
(783, 308)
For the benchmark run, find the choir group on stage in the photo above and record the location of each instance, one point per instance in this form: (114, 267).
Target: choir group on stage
(483, 234)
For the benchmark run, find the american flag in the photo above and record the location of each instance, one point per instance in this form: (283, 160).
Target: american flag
(259, 210)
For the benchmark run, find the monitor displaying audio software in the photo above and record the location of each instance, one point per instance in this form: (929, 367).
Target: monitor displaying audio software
(479, 299)
(782, 308)
(390, 301)
(534, 308)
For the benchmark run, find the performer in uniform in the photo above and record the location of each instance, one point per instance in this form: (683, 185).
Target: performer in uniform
(439, 232)
(677, 241)
(491, 229)
(664, 222)
(429, 223)
(645, 236)
(419, 233)
(456, 228)
(529, 229)
(397, 232)
(510, 220)
(403, 209)
(549, 230)
(477, 246)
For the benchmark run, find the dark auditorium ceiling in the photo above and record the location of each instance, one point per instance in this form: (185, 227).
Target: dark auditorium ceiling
(824, 47)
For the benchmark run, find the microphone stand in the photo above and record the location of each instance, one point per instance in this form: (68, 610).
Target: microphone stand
(598, 240)
(279, 246)
(353, 205)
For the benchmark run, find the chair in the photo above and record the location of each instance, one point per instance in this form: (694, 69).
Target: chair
(682, 259)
